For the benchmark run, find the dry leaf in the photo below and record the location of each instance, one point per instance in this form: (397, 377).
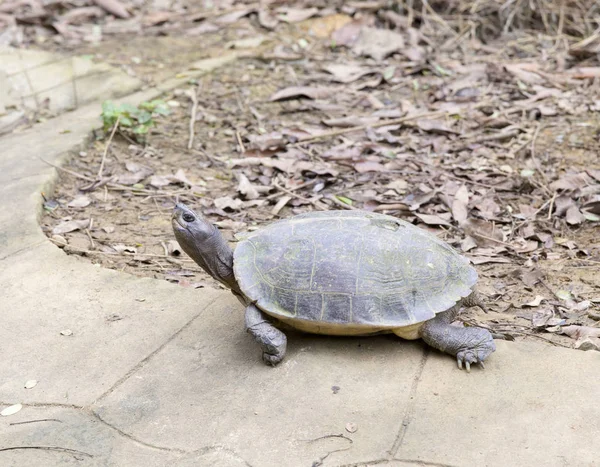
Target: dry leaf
(272, 140)
(350, 121)
(302, 91)
(227, 202)
(570, 182)
(70, 226)
(369, 166)
(432, 219)
(31, 383)
(377, 43)
(137, 173)
(156, 17)
(351, 427)
(535, 302)
(483, 259)
(459, 205)
(11, 410)
(124, 248)
(158, 181)
(246, 188)
(79, 202)
(234, 16)
(574, 216)
(295, 15)
(435, 126)
(347, 73)
(348, 34)
(266, 19)
(483, 232)
(588, 343)
(580, 332)
(114, 7)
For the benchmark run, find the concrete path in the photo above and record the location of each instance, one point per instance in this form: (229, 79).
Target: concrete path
(177, 382)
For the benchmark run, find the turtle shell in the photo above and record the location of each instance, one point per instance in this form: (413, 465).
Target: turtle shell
(350, 268)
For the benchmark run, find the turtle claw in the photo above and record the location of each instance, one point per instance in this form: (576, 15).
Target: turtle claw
(271, 359)
(469, 357)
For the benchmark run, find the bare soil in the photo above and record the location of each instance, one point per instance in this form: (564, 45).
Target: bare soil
(497, 156)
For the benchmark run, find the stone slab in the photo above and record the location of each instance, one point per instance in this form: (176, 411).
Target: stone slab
(53, 436)
(209, 387)
(534, 405)
(116, 319)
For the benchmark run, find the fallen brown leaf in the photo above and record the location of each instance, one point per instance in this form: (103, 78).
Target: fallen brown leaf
(377, 43)
(459, 205)
(70, 226)
(114, 7)
(295, 15)
(302, 91)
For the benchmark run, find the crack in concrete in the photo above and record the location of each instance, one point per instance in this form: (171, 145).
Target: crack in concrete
(95, 416)
(133, 438)
(43, 405)
(410, 406)
(212, 448)
(146, 359)
(417, 462)
(21, 250)
(425, 463)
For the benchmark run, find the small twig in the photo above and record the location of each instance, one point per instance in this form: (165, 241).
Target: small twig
(117, 186)
(240, 142)
(340, 203)
(108, 253)
(302, 185)
(438, 18)
(391, 207)
(194, 96)
(314, 202)
(341, 435)
(344, 131)
(540, 209)
(89, 235)
(547, 287)
(35, 421)
(551, 205)
(534, 159)
(110, 138)
(280, 204)
(486, 138)
(165, 248)
(289, 192)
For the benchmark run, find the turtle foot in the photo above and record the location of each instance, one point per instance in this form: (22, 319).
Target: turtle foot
(482, 345)
(271, 359)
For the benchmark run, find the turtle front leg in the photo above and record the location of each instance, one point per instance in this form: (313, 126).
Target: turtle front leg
(468, 345)
(272, 341)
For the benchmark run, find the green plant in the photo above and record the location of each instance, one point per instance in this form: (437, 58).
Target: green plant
(136, 120)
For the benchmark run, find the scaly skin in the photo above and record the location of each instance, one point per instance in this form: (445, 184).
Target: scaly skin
(271, 340)
(469, 345)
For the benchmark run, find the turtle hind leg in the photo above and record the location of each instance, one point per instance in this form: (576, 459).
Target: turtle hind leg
(272, 341)
(474, 300)
(468, 344)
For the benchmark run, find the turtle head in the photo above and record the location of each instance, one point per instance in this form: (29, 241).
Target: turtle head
(203, 242)
(190, 228)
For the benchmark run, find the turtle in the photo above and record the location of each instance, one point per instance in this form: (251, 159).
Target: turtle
(349, 272)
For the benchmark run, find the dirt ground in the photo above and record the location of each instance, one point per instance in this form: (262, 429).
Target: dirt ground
(492, 146)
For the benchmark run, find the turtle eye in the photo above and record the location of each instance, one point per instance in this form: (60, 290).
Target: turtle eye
(188, 217)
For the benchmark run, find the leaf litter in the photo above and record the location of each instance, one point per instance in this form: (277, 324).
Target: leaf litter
(485, 140)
